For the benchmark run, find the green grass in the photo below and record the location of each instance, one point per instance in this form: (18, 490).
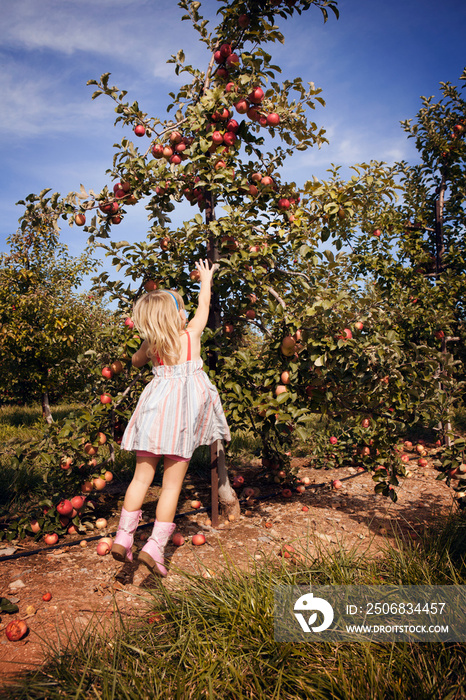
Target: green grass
(216, 637)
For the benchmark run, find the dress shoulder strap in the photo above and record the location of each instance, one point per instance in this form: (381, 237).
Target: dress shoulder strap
(188, 356)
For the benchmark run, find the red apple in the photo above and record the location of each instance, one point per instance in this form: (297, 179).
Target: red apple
(241, 106)
(287, 493)
(140, 130)
(196, 504)
(101, 523)
(225, 50)
(124, 186)
(105, 398)
(333, 440)
(253, 114)
(64, 507)
(150, 285)
(107, 373)
(178, 539)
(103, 547)
(256, 96)
(273, 119)
(51, 538)
(16, 630)
(47, 597)
(365, 423)
(229, 138)
(285, 377)
(157, 150)
(359, 325)
(287, 551)
(78, 502)
(35, 527)
(108, 476)
(336, 484)
(89, 449)
(377, 232)
(80, 219)
(288, 346)
(250, 314)
(232, 61)
(198, 539)
(233, 126)
(129, 323)
(267, 181)
(217, 138)
(66, 463)
(99, 483)
(243, 21)
(87, 487)
(346, 335)
(195, 275)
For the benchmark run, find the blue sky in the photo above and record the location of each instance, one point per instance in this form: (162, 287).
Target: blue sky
(373, 64)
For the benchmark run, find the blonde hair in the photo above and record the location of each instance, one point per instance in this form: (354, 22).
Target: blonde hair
(157, 319)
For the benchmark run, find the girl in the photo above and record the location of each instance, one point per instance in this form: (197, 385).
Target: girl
(177, 411)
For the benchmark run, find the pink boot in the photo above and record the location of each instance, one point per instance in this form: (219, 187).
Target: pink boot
(121, 549)
(152, 553)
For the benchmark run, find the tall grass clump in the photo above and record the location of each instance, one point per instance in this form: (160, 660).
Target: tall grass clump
(214, 637)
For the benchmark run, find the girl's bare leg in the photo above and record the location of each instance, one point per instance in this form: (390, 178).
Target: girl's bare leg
(173, 477)
(142, 479)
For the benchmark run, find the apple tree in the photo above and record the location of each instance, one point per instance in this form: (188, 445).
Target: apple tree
(296, 329)
(45, 322)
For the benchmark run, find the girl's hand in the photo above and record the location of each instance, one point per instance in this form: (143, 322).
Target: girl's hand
(206, 272)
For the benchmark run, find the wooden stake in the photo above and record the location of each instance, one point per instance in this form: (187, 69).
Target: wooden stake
(214, 456)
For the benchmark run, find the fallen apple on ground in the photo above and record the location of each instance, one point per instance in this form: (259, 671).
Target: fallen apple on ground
(16, 630)
(104, 546)
(198, 539)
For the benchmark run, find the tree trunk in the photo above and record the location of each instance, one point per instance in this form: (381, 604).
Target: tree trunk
(226, 495)
(46, 412)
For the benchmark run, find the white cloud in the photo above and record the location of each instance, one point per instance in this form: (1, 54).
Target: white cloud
(135, 34)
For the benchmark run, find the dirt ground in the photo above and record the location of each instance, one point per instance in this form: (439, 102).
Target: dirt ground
(85, 586)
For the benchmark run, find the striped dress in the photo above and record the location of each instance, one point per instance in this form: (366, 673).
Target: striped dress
(178, 410)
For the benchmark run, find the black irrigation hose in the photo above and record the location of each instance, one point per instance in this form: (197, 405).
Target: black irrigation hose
(265, 497)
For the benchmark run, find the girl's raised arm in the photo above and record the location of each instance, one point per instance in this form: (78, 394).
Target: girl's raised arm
(199, 321)
(140, 357)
